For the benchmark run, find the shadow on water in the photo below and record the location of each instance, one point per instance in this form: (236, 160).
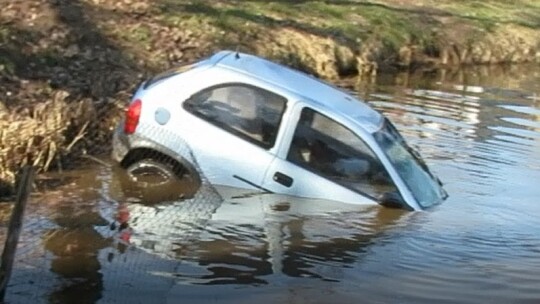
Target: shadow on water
(76, 260)
(75, 246)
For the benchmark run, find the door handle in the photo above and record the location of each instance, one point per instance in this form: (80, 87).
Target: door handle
(283, 179)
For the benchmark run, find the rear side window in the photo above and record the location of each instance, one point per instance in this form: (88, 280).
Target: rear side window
(251, 113)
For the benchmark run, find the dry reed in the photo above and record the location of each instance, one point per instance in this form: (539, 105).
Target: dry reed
(47, 134)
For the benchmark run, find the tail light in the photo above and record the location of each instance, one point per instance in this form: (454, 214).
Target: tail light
(133, 113)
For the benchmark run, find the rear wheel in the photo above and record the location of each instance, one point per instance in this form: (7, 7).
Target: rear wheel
(150, 172)
(151, 181)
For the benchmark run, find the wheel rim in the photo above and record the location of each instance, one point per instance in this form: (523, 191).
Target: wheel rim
(149, 174)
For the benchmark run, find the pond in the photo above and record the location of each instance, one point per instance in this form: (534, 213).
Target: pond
(84, 240)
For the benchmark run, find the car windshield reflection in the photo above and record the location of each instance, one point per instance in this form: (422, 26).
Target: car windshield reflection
(425, 188)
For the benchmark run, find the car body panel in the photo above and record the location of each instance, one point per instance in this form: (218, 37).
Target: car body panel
(225, 158)
(304, 182)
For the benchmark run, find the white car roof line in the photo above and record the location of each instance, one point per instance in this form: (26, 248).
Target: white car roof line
(344, 111)
(217, 57)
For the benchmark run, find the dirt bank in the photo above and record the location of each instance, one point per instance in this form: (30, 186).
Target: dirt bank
(67, 67)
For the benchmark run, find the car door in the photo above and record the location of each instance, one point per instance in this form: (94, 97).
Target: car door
(234, 129)
(325, 159)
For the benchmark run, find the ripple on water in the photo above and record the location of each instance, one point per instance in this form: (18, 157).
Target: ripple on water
(485, 235)
(480, 246)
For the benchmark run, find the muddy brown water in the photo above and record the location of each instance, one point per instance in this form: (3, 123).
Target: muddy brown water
(85, 241)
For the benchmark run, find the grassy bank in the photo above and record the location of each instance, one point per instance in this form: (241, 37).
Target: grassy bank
(336, 38)
(67, 67)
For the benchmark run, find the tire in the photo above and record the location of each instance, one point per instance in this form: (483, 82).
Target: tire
(151, 172)
(149, 181)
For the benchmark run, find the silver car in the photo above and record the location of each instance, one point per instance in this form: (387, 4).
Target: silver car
(238, 120)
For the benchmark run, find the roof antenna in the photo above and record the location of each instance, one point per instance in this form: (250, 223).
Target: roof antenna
(237, 55)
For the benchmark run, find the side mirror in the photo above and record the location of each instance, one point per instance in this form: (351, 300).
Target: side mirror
(392, 200)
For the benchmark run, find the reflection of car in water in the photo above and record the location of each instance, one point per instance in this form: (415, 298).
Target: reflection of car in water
(157, 220)
(245, 122)
(245, 237)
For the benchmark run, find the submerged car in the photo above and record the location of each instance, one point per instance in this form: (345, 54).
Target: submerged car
(238, 120)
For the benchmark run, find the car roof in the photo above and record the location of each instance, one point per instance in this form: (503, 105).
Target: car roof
(310, 88)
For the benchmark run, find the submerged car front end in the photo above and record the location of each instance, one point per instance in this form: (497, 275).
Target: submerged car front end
(418, 187)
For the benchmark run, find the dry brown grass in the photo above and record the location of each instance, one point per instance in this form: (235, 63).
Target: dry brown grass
(46, 134)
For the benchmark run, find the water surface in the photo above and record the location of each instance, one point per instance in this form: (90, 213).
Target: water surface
(478, 130)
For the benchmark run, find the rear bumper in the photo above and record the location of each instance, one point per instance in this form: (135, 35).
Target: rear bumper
(120, 145)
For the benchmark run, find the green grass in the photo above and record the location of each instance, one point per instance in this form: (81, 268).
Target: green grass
(394, 23)
(141, 34)
(316, 17)
(423, 23)
(492, 12)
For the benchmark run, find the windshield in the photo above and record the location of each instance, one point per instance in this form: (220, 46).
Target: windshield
(423, 185)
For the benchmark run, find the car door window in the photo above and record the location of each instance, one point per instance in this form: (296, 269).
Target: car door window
(329, 149)
(251, 113)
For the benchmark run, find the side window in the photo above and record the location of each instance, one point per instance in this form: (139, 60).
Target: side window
(327, 148)
(248, 112)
